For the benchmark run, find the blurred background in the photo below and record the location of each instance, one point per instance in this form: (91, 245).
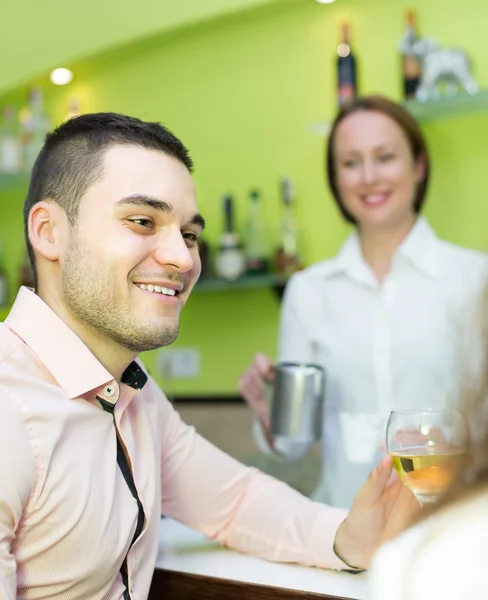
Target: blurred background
(249, 86)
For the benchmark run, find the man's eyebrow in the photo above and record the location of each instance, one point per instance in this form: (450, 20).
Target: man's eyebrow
(161, 205)
(147, 201)
(198, 220)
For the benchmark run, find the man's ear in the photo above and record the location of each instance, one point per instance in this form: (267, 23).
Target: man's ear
(47, 222)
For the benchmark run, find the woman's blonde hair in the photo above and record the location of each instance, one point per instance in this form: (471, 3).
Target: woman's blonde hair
(473, 476)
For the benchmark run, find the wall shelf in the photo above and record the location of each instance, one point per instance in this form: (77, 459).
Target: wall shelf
(449, 106)
(250, 282)
(445, 107)
(276, 283)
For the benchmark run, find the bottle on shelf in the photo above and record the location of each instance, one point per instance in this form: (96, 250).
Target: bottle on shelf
(411, 67)
(287, 259)
(229, 260)
(10, 150)
(74, 108)
(205, 257)
(3, 280)
(26, 275)
(34, 126)
(346, 69)
(255, 237)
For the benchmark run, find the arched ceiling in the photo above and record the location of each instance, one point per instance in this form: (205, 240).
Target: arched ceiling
(38, 35)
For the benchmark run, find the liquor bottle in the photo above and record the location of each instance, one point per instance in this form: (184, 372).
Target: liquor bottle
(35, 126)
(204, 251)
(10, 150)
(3, 280)
(287, 259)
(411, 67)
(74, 108)
(346, 69)
(26, 274)
(254, 238)
(229, 261)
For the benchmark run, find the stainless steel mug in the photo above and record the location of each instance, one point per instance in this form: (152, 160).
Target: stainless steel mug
(297, 402)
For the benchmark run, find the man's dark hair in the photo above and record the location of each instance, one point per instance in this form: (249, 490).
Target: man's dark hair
(71, 159)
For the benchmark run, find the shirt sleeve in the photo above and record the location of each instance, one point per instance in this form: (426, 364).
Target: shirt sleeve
(294, 341)
(239, 506)
(16, 473)
(294, 345)
(284, 449)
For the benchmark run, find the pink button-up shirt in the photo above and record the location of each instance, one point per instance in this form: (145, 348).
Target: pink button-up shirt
(67, 515)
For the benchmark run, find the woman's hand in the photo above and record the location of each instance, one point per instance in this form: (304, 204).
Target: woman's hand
(252, 386)
(382, 508)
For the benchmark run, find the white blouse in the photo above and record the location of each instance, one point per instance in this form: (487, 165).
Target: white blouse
(398, 345)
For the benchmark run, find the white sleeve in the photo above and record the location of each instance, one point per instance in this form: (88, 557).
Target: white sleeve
(294, 341)
(294, 345)
(16, 476)
(284, 450)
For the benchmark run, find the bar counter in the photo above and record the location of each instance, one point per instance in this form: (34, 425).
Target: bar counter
(191, 567)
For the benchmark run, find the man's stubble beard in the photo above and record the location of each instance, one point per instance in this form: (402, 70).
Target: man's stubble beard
(91, 293)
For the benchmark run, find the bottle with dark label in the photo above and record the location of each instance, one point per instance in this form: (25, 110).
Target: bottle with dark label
(411, 67)
(255, 238)
(346, 69)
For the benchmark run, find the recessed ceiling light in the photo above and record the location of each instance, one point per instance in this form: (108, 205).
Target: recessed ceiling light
(325, 1)
(61, 76)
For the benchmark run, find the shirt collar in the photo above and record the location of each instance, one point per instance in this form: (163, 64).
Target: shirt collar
(350, 261)
(71, 363)
(420, 248)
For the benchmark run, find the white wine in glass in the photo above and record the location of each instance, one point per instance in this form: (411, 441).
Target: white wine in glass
(428, 449)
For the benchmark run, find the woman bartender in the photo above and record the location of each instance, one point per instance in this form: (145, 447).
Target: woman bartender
(385, 316)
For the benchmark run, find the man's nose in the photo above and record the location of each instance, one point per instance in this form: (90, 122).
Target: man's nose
(173, 251)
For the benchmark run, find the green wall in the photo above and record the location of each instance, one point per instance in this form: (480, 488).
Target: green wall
(38, 36)
(242, 92)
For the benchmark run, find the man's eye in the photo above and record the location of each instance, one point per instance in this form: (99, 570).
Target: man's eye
(190, 237)
(146, 223)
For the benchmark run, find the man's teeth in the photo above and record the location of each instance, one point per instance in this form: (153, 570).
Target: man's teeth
(157, 288)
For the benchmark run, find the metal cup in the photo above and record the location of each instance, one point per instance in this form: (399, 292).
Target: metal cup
(297, 402)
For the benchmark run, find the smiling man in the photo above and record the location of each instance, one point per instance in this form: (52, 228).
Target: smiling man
(91, 451)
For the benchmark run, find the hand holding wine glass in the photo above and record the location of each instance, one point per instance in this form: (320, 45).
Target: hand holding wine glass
(428, 449)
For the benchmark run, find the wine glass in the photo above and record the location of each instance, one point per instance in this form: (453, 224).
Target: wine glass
(428, 448)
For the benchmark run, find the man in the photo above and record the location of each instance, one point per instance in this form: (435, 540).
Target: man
(92, 453)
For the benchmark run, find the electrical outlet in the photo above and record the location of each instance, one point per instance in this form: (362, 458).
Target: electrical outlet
(179, 363)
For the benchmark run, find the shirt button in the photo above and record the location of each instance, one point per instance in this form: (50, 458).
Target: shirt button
(109, 391)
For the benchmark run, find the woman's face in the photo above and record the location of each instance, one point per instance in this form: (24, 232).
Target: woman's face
(376, 173)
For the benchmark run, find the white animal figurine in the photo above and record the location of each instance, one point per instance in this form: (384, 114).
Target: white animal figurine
(440, 65)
